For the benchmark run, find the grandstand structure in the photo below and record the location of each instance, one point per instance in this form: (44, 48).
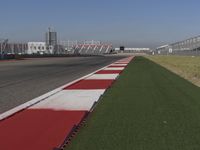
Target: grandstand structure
(189, 46)
(87, 47)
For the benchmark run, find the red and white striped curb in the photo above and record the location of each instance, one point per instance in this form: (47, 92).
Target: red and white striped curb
(44, 122)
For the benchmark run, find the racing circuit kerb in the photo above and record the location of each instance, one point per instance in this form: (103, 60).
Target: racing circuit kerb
(45, 122)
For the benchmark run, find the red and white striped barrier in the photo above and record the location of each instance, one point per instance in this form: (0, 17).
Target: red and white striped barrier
(44, 123)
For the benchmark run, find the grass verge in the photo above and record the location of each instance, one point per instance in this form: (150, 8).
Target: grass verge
(148, 108)
(186, 66)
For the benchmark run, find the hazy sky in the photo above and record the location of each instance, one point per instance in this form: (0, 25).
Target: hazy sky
(133, 23)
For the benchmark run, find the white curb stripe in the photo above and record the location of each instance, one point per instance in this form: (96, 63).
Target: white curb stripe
(119, 65)
(70, 100)
(102, 76)
(114, 68)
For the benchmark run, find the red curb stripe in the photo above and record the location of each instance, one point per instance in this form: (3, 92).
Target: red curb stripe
(26, 130)
(109, 72)
(90, 84)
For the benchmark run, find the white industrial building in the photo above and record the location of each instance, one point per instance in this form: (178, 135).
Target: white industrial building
(36, 48)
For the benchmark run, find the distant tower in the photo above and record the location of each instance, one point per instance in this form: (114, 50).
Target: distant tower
(51, 38)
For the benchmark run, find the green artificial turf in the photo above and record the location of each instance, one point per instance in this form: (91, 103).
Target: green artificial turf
(148, 108)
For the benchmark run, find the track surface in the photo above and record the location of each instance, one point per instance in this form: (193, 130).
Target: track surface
(57, 115)
(21, 81)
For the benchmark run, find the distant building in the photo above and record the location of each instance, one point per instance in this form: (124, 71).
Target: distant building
(164, 48)
(36, 48)
(133, 50)
(51, 38)
(51, 41)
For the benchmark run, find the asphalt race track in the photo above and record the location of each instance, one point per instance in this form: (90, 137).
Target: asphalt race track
(21, 81)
